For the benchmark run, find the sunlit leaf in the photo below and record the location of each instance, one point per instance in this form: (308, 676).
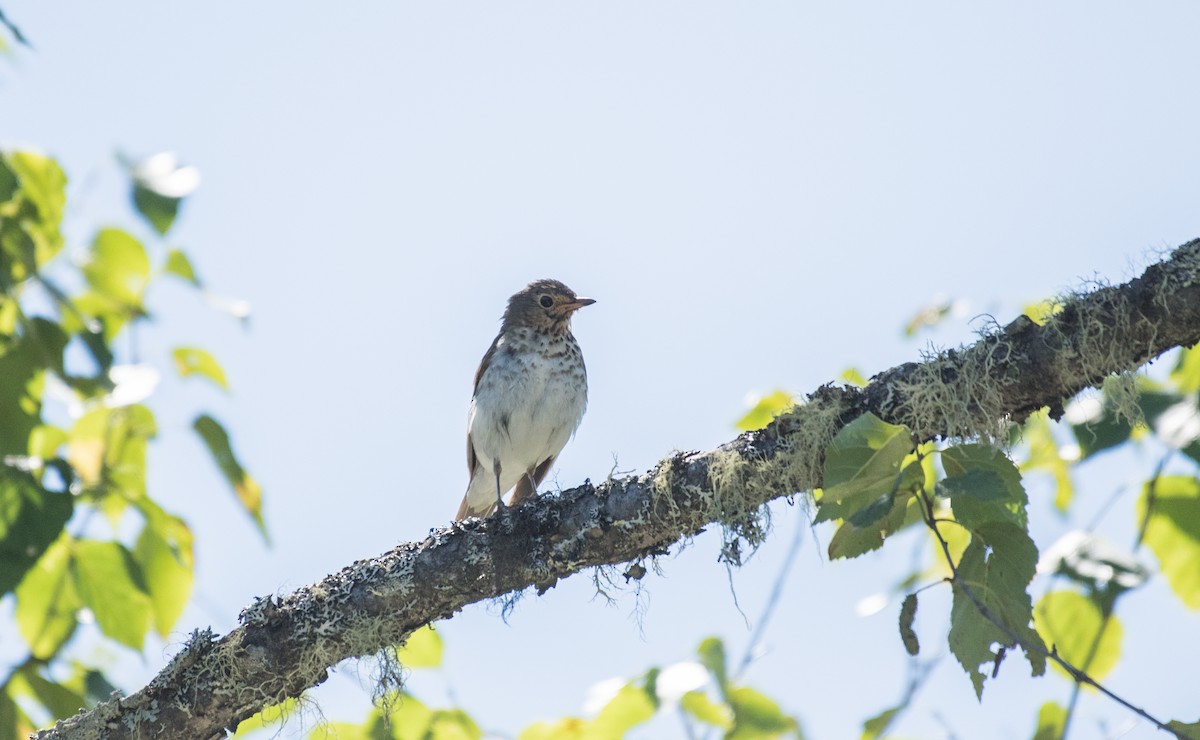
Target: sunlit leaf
(927, 317)
(247, 490)
(704, 709)
(164, 554)
(31, 518)
(767, 408)
(1051, 720)
(196, 361)
(629, 708)
(410, 719)
(712, 657)
(1041, 311)
(862, 465)
(852, 376)
(47, 602)
(568, 728)
(179, 265)
(108, 585)
(118, 268)
(43, 186)
(422, 649)
(1071, 624)
(757, 716)
(1170, 508)
(270, 716)
(1045, 454)
(1186, 373)
(45, 440)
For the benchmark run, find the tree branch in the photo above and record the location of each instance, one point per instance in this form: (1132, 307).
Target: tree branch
(285, 646)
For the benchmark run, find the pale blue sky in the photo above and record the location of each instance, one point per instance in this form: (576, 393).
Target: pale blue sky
(758, 195)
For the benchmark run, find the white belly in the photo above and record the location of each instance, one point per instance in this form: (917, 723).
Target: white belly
(522, 414)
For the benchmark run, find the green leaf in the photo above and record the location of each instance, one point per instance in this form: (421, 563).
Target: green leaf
(862, 464)
(410, 719)
(629, 708)
(118, 268)
(757, 716)
(1072, 623)
(272, 715)
(1044, 455)
(1051, 721)
(908, 613)
(22, 368)
(712, 657)
(158, 210)
(996, 568)
(247, 490)
(47, 602)
(9, 185)
(14, 723)
(852, 376)
(31, 518)
(62, 701)
(984, 484)
(697, 704)
(453, 724)
(875, 726)
(1186, 730)
(1170, 507)
(45, 440)
(44, 187)
(852, 539)
(179, 265)
(422, 649)
(1186, 373)
(108, 584)
(1105, 432)
(569, 728)
(768, 407)
(196, 361)
(164, 555)
(107, 448)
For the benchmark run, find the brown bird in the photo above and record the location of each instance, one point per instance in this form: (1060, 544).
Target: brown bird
(530, 395)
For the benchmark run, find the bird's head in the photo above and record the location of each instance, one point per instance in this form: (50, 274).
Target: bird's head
(544, 304)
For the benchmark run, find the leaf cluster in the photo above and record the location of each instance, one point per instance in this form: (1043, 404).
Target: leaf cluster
(82, 539)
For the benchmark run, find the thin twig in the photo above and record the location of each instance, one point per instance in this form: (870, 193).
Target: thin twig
(760, 629)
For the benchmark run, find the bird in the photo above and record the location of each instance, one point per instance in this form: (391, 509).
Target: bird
(529, 398)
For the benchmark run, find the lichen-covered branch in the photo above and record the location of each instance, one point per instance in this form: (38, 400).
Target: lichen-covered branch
(287, 645)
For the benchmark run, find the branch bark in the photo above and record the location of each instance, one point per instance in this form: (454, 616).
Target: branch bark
(284, 646)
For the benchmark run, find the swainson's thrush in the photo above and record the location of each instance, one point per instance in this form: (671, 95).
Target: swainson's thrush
(530, 395)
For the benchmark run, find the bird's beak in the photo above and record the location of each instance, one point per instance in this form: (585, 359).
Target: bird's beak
(579, 303)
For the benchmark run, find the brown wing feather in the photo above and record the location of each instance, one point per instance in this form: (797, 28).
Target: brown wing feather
(472, 460)
(525, 488)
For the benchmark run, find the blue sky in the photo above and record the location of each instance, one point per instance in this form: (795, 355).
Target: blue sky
(758, 195)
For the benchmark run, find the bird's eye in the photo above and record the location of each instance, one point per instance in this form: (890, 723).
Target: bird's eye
(546, 301)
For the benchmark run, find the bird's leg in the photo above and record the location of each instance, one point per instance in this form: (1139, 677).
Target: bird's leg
(499, 495)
